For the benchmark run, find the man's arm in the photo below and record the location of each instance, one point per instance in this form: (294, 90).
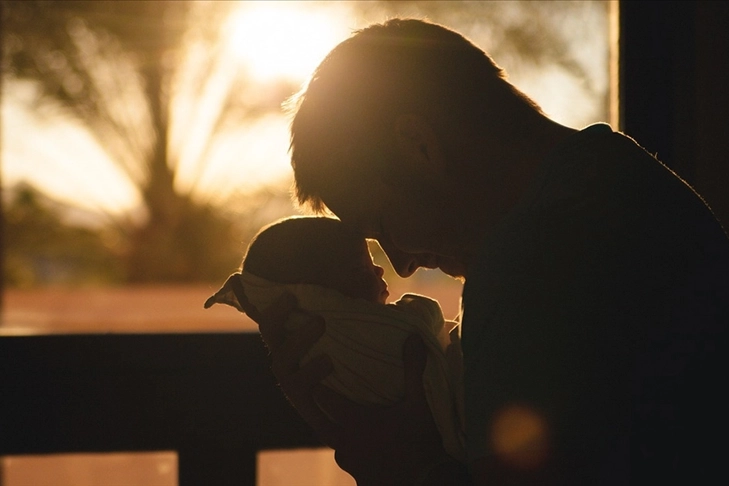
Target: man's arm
(378, 446)
(399, 445)
(287, 348)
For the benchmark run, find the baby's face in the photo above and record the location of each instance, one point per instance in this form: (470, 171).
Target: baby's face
(357, 276)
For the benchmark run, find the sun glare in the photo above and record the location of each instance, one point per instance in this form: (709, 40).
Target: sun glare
(284, 39)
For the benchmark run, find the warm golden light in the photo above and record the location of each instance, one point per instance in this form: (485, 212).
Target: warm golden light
(284, 39)
(519, 437)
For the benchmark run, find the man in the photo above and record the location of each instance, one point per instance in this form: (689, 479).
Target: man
(596, 288)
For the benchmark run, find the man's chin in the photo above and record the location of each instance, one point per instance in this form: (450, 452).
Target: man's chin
(448, 265)
(456, 274)
(452, 268)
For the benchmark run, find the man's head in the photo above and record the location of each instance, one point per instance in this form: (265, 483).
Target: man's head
(316, 250)
(399, 108)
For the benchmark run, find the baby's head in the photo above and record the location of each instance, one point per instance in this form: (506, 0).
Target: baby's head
(316, 250)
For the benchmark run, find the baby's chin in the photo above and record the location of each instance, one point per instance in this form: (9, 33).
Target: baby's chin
(383, 296)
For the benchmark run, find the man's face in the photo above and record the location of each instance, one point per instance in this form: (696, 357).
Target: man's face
(412, 228)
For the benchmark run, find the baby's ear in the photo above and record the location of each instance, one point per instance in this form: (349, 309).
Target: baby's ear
(226, 294)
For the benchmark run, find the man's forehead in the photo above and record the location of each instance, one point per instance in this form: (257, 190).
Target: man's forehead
(355, 207)
(363, 226)
(363, 222)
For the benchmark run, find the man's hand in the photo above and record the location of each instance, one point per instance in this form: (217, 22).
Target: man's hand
(287, 348)
(388, 446)
(378, 447)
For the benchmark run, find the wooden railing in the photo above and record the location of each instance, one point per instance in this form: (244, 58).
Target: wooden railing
(210, 397)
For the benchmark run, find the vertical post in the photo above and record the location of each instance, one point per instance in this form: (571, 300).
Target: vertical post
(657, 80)
(673, 89)
(218, 465)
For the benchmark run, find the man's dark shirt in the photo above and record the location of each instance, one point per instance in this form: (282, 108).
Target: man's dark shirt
(602, 302)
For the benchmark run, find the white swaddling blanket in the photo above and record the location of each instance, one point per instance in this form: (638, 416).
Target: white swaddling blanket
(365, 343)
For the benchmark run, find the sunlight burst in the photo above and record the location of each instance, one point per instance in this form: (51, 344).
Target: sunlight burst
(284, 39)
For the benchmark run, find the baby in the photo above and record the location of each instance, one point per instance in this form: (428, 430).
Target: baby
(329, 269)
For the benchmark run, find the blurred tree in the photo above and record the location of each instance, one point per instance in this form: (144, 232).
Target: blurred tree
(152, 82)
(48, 242)
(525, 36)
(45, 249)
(141, 76)
(522, 30)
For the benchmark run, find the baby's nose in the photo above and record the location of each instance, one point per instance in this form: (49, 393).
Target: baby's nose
(379, 271)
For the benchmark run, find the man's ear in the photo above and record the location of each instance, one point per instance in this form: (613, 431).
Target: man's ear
(418, 142)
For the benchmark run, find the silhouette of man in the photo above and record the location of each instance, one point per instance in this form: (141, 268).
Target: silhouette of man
(596, 287)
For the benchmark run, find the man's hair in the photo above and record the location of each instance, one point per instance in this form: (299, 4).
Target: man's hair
(343, 123)
(300, 249)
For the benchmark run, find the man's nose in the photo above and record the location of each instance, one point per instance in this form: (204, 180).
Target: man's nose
(405, 264)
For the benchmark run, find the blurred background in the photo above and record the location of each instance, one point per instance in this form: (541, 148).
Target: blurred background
(143, 144)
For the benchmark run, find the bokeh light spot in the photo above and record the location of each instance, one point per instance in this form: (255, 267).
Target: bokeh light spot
(519, 437)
